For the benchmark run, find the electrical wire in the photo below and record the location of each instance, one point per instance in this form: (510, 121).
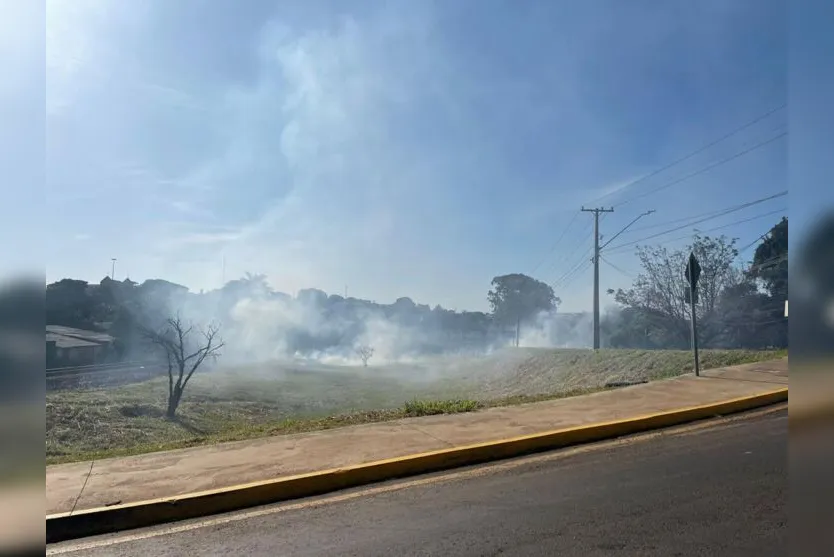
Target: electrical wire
(698, 151)
(704, 169)
(556, 244)
(713, 229)
(705, 219)
(756, 241)
(576, 272)
(630, 275)
(588, 235)
(714, 212)
(573, 268)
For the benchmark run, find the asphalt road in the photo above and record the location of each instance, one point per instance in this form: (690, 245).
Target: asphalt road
(713, 490)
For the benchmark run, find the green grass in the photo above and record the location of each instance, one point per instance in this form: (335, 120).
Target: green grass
(251, 402)
(415, 407)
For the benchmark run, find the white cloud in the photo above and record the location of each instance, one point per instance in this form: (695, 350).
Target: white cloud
(608, 193)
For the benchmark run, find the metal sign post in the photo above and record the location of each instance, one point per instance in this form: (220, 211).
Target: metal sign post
(693, 273)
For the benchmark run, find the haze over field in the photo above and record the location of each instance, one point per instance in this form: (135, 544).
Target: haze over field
(258, 324)
(405, 148)
(414, 153)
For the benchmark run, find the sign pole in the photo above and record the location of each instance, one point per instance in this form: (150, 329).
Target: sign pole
(693, 273)
(694, 330)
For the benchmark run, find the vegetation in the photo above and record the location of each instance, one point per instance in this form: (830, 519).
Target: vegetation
(737, 307)
(739, 310)
(365, 352)
(416, 407)
(184, 354)
(517, 299)
(243, 404)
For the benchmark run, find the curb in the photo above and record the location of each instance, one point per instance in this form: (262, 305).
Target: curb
(104, 520)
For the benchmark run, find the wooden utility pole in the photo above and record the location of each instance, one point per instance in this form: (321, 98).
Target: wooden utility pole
(595, 260)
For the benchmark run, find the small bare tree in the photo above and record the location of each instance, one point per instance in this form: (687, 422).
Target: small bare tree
(184, 353)
(365, 353)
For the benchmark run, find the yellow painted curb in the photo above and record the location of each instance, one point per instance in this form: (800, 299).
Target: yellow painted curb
(90, 522)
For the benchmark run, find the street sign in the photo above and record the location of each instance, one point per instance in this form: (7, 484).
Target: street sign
(687, 294)
(693, 270)
(693, 273)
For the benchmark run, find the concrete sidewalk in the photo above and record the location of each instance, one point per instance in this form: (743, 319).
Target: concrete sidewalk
(173, 473)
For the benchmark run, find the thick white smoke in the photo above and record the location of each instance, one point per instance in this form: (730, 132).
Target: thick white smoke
(558, 330)
(260, 326)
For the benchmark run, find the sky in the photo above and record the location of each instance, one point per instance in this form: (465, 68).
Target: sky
(400, 148)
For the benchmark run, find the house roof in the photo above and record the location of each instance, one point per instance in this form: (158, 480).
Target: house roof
(70, 337)
(62, 341)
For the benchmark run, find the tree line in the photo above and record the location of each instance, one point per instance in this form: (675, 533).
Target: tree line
(739, 306)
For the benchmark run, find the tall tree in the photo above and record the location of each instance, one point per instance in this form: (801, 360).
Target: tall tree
(747, 318)
(518, 298)
(68, 303)
(770, 261)
(770, 270)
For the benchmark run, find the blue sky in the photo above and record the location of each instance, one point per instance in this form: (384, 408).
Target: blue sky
(404, 148)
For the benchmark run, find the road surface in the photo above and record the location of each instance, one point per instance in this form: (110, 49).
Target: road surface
(712, 489)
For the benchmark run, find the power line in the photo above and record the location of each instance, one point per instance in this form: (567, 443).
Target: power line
(575, 272)
(705, 219)
(589, 234)
(696, 152)
(697, 216)
(617, 268)
(770, 262)
(588, 231)
(713, 229)
(756, 241)
(556, 244)
(705, 169)
(753, 243)
(626, 227)
(578, 266)
(573, 269)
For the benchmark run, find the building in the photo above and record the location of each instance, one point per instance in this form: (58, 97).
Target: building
(67, 346)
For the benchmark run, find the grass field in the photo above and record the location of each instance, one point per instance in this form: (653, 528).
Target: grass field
(268, 399)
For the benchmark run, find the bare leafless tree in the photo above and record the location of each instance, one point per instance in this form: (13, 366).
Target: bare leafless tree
(185, 349)
(365, 353)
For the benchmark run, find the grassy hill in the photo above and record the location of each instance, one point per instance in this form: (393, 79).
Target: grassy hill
(242, 402)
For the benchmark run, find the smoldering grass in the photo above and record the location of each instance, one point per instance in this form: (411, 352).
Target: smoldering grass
(218, 407)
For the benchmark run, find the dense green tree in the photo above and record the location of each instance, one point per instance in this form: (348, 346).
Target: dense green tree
(518, 298)
(770, 261)
(68, 303)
